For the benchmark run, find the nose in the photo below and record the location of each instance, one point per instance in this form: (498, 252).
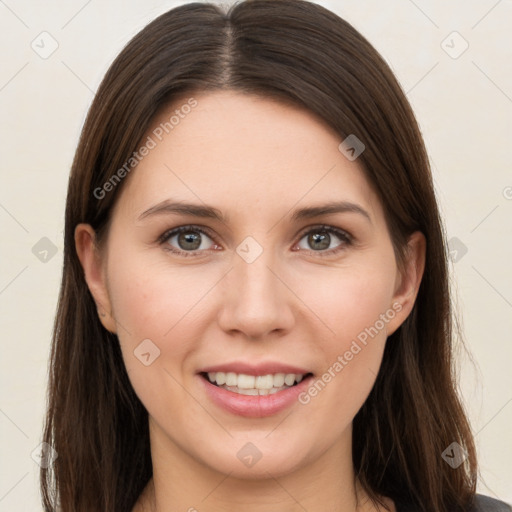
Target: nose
(257, 302)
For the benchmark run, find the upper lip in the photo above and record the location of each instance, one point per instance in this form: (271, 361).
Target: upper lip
(268, 368)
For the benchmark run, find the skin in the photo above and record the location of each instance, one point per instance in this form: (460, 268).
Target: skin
(256, 160)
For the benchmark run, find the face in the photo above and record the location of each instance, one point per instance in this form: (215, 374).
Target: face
(267, 285)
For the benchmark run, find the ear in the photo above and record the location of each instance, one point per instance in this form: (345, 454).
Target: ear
(408, 281)
(92, 264)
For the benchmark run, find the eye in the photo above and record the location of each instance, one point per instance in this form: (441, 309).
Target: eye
(321, 237)
(189, 240)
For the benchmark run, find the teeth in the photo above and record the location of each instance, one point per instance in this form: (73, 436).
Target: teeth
(265, 381)
(231, 379)
(245, 381)
(253, 391)
(289, 379)
(279, 379)
(261, 384)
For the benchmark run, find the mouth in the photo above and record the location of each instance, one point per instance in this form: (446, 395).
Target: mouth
(254, 385)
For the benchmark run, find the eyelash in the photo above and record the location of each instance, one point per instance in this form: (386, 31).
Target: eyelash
(346, 239)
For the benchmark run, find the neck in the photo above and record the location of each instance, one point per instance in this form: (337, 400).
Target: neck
(181, 482)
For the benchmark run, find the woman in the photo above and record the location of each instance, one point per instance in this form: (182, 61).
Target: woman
(254, 312)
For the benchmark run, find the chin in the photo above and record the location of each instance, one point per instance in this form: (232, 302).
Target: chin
(258, 459)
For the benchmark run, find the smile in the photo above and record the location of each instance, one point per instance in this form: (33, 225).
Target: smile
(261, 385)
(253, 396)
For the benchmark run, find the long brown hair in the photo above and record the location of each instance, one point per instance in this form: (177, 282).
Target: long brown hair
(301, 53)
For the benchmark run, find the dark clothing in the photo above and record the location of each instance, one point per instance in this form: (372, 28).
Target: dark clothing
(482, 504)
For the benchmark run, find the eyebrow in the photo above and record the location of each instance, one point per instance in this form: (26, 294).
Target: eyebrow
(209, 212)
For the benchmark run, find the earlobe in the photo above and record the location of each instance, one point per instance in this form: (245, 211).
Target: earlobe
(88, 254)
(409, 280)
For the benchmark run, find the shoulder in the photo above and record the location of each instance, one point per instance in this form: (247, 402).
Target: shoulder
(487, 504)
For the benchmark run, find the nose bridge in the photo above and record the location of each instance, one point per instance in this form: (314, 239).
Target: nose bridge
(258, 302)
(254, 276)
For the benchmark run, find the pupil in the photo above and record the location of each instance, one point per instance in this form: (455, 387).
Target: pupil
(189, 240)
(323, 237)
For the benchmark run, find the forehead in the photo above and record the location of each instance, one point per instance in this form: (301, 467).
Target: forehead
(242, 152)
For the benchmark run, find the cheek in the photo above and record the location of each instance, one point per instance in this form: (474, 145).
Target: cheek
(171, 307)
(350, 300)
(357, 306)
(155, 313)
(151, 299)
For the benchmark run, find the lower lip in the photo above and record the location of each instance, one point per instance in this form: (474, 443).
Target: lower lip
(254, 406)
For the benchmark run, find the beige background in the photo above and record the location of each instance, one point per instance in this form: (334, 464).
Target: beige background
(463, 102)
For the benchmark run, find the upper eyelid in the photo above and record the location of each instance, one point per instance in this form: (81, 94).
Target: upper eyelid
(191, 227)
